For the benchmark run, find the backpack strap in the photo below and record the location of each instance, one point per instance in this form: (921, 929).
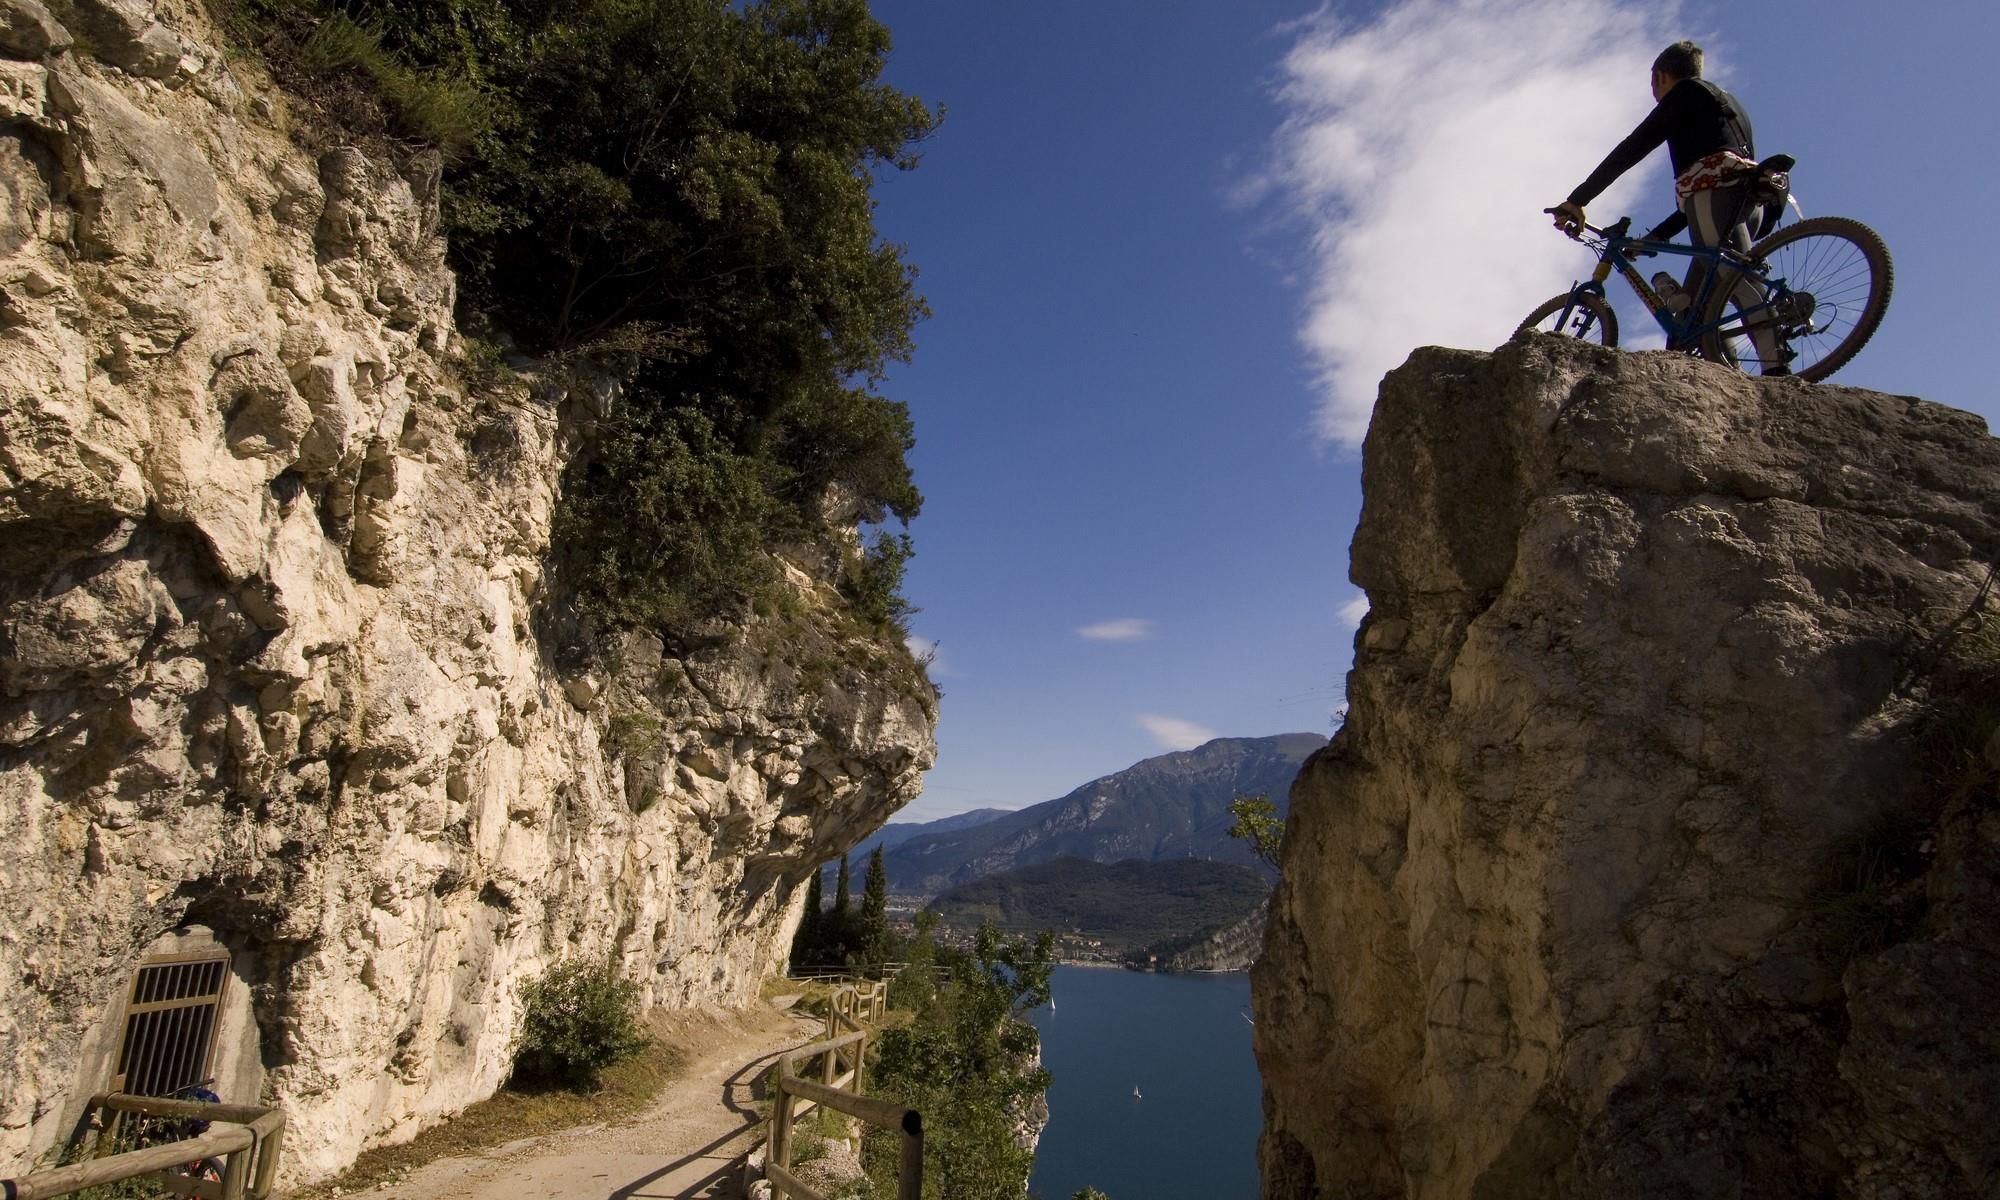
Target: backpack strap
(1737, 128)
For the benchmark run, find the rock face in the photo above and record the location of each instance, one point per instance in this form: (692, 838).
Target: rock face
(1622, 879)
(277, 667)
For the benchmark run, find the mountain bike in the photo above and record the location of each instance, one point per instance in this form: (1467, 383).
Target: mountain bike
(131, 1132)
(1825, 284)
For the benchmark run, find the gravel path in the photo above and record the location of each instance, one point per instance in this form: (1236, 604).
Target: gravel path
(689, 1144)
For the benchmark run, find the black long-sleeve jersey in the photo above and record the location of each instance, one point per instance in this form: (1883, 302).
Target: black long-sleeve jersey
(1695, 119)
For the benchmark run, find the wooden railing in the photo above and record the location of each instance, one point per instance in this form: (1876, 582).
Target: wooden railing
(839, 1088)
(842, 974)
(855, 1002)
(246, 1137)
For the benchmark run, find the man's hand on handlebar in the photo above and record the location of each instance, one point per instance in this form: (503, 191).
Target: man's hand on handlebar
(1569, 217)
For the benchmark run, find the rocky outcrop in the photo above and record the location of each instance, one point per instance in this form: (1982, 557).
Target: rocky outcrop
(1231, 948)
(278, 666)
(1030, 1116)
(1622, 878)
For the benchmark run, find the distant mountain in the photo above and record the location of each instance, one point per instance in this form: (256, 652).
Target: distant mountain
(1175, 806)
(1128, 905)
(895, 833)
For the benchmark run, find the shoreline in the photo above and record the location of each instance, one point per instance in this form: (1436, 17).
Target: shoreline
(1099, 964)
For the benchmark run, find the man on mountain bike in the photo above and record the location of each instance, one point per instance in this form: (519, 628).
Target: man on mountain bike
(1708, 136)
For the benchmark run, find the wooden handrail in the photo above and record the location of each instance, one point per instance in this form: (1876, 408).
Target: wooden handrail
(880, 1113)
(840, 1091)
(248, 1142)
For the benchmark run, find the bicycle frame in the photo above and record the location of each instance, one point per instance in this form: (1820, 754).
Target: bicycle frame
(1684, 331)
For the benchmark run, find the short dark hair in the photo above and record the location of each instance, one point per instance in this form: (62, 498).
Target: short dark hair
(1682, 60)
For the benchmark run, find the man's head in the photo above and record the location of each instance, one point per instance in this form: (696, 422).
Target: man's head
(1682, 60)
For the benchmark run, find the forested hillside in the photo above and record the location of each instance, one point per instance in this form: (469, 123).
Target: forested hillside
(1127, 905)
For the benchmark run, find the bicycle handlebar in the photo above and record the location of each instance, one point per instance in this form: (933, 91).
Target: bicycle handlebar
(1582, 227)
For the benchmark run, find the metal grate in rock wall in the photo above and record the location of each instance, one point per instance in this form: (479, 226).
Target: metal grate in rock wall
(170, 1017)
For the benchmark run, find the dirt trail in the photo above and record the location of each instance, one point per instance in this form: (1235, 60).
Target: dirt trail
(688, 1144)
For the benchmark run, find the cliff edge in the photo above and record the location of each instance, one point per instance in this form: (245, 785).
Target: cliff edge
(279, 673)
(1637, 869)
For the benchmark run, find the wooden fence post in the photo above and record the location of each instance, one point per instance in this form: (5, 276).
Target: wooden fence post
(910, 1171)
(780, 1150)
(236, 1174)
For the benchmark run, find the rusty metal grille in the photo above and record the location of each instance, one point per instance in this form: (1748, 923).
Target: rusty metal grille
(170, 1020)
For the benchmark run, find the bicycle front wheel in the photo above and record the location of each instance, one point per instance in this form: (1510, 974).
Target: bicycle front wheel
(1575, 314)
(1830, 279)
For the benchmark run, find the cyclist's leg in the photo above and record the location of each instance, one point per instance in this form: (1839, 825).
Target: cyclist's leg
(1723, 216)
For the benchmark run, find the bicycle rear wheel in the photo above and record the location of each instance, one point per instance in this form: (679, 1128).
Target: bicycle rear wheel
(1836, 278)
(1575, 314)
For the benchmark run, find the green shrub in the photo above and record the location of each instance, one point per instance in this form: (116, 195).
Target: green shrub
(579, 1018)
(664, 524)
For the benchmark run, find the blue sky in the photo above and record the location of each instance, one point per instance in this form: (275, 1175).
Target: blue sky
(1171, 247)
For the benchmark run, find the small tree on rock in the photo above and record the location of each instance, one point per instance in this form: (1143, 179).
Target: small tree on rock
(1258, 824)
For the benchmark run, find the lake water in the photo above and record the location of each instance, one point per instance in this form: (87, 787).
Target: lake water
(1184, 1042)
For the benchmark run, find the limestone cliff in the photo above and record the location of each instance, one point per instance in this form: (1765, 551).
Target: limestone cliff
(1622, 878)
(278, 667)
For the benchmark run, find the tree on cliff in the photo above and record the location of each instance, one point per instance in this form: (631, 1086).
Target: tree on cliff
(1258, 824)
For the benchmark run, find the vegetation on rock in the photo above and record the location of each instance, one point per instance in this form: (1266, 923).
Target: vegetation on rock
(682, 188)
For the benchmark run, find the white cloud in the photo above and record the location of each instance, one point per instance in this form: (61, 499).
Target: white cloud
(1420, 149)
(1355, 609)
(1124, 629)
(1174, 733)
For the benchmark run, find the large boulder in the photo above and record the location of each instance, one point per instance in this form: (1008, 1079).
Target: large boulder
(1625, 877)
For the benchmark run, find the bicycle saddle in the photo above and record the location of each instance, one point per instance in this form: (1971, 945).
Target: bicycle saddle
(1779, 163)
